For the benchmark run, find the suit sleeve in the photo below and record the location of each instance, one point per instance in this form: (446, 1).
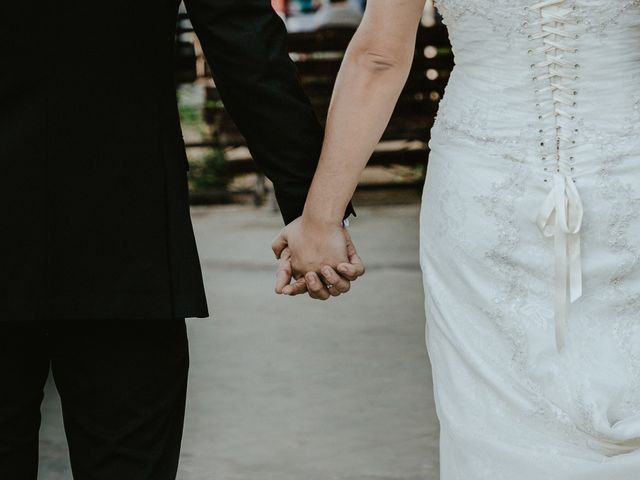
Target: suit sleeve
(244, 42)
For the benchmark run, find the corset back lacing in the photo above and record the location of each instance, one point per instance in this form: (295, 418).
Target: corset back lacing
(561, 213)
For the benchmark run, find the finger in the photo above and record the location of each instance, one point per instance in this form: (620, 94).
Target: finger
(316, 288)
(296, 288)
(283, 275)
(339, 284)
(279, 243)
(351, 271)
(355, 267)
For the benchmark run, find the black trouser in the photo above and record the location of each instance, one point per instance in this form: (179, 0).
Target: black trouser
(122, 385)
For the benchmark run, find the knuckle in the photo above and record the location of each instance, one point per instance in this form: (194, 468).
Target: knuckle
(331, 278)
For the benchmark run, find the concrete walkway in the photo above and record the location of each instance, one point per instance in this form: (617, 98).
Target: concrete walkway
(295, 389)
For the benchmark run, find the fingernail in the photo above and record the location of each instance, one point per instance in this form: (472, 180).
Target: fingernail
(311, 279)
(326, 272)
(342, 269)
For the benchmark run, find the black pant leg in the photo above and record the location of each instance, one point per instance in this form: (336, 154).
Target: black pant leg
(122, 386)
(24, 367)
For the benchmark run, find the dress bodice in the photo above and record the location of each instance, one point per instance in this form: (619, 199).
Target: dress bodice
(519, 57)
(554, 84)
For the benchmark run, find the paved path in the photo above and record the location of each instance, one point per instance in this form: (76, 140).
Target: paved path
(293, 389)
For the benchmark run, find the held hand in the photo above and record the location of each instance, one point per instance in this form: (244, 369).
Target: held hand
(313, 256)
(312, 245)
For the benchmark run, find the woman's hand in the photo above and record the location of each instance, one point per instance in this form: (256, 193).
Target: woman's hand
(313, 253)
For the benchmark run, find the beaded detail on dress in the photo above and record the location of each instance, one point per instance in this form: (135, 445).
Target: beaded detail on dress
(507, 15)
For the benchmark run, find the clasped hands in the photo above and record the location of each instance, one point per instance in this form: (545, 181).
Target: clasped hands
(314, 258)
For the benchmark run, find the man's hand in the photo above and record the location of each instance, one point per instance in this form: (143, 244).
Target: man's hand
(322, 260)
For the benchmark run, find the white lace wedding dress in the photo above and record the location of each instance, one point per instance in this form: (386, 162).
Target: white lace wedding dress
(530, 242)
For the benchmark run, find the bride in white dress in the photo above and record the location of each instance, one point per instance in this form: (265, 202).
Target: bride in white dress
(530, 227)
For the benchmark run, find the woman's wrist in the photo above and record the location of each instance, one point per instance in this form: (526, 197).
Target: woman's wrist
(324, 206)
(321, 220)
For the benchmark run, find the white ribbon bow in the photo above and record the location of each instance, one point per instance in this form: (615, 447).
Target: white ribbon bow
(561, 217)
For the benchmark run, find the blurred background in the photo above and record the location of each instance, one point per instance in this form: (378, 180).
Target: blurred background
(290, 388)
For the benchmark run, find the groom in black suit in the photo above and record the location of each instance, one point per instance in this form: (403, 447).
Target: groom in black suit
(99, 261)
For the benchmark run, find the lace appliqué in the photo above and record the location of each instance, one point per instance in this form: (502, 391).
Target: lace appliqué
(507, 16)
(504, 16)
(598, 17)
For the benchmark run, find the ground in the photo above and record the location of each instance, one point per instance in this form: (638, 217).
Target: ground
(294, 389)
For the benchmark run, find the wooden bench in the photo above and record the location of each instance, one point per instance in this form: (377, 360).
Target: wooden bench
(318, 56)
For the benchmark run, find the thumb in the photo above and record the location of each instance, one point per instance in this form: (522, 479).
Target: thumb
(280, 243)
(355, 267)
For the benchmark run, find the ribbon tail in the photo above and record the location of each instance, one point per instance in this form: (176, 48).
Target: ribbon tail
(543, 220)
(575, 271)
(560, 244)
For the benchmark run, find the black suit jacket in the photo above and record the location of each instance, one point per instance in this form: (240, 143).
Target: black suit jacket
(94, 192)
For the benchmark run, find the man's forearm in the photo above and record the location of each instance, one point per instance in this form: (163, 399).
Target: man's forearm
(245, 45)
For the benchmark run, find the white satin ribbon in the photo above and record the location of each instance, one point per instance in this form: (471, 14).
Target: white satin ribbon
(561, 217)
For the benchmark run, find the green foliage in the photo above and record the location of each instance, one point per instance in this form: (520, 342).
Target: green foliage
(190, 114)
(210, 173)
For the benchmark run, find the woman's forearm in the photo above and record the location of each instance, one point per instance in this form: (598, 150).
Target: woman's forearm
(366, 92)
(370, 81)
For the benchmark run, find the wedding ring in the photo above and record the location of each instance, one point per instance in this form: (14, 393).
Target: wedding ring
(330, 286)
